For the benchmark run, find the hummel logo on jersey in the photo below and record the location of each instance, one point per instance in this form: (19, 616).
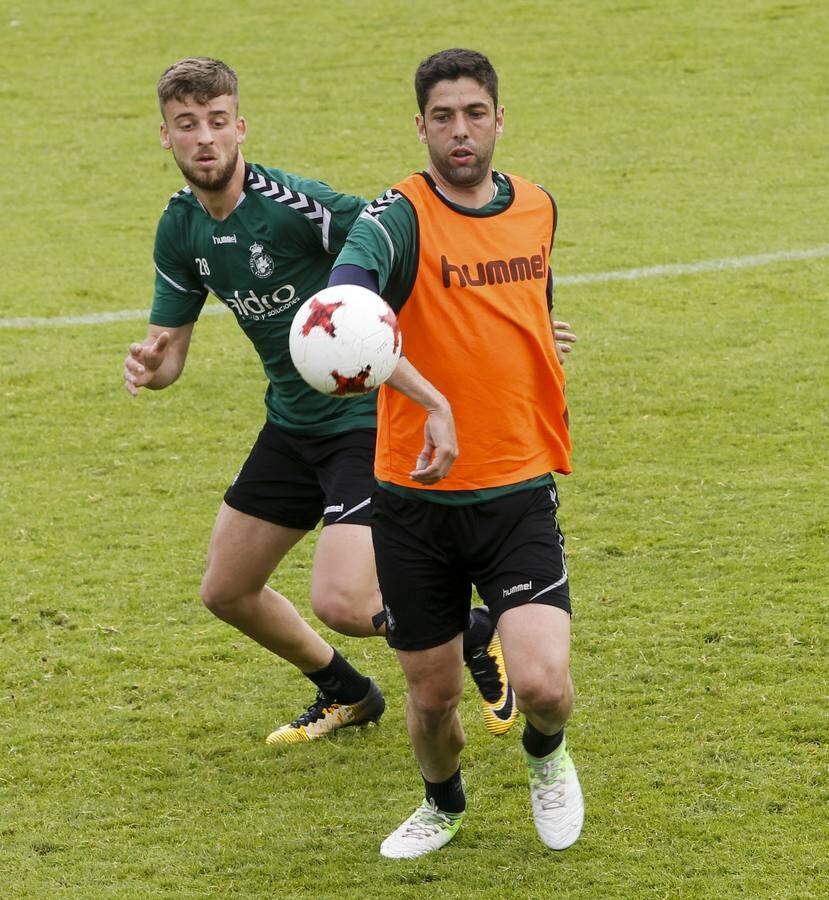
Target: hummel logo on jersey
(306, 206)
(224, 239)
(527, 586)
(495, 271)
(381, 204)
(376, 208)
(181, 193)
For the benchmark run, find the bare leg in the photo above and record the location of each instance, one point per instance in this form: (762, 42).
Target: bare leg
(434, 679)
(536, 644)
(344, 591)
(243, 553)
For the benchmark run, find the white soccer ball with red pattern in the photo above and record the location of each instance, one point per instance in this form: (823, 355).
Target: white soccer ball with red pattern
(345, 341)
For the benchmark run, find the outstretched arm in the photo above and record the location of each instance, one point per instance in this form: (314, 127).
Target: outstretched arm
(159, 360)
(440, 444)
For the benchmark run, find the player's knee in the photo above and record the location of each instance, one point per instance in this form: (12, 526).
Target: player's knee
(217, 597)
(335, 609)
(545, 695)
(348, 612)
(433, 705)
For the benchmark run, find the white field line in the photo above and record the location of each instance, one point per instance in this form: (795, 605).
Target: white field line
(707, 265)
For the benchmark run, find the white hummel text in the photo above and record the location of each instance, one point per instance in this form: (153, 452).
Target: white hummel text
(527, 586)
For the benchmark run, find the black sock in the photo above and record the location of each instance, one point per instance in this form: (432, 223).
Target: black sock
(538, 744)
(479, 630)
(448, 796)
(340, 681)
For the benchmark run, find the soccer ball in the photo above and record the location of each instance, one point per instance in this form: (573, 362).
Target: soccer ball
(345, 341)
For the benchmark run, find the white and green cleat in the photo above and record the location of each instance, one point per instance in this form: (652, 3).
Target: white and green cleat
(556, 797)
(324, 717)
(427, 829)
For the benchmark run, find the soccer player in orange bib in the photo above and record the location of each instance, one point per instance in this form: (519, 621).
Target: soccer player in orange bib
(468, 499)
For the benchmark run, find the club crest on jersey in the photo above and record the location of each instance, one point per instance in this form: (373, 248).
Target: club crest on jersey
(260, 263)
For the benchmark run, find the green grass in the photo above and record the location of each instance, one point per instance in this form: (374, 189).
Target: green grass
(132, 722)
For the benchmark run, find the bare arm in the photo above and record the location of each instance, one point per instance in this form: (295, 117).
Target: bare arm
(159, 360)
(440, 444)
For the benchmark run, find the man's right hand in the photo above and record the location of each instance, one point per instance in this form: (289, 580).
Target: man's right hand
(440, 446)
(143, 361)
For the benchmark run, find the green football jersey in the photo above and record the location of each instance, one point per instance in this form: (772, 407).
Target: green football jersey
(272, 253)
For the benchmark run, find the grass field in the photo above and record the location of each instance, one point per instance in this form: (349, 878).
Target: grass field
(132, 722)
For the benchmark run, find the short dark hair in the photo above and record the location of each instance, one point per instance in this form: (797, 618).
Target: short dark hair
(450, 65)
(199, 77)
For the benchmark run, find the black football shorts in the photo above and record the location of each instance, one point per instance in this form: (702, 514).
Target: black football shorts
(429, 556)
(296, 481)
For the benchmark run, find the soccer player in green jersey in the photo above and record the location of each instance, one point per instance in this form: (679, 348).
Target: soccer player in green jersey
(263, 241)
